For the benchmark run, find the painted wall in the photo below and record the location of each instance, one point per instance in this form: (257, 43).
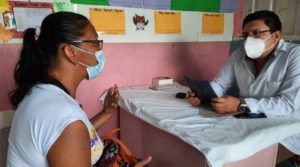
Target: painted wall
(129, 65)
(8, 57)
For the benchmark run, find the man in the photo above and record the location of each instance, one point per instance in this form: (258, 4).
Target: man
(267, 72)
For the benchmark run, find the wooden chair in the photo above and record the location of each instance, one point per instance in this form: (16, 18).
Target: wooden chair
(5, 122)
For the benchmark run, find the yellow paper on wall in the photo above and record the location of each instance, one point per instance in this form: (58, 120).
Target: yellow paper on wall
(167, 22)
(4, 6)
(108, 21)
(5, 35)
(213, 24)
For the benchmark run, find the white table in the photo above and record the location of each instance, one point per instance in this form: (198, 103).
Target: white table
(178, 134)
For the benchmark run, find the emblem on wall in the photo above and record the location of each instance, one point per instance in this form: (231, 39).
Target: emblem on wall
(140, 22)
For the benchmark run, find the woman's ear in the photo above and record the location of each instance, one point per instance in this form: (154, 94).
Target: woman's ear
(71, 53)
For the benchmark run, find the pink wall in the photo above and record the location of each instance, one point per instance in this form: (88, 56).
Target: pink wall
(133, 64)
(238, 18)
(8, 57)
(128, 65)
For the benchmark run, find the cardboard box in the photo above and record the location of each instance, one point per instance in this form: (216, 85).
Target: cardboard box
(162, 81)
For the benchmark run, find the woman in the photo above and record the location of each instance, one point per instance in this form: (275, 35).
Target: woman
(50, 128)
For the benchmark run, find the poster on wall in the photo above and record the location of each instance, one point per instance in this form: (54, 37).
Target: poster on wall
(157, 4)
(64, 6)
(212, 23)
(29, 17)
(23, 15)
(121, 24)
(127, 3)
(229, 6)
(140, 27)
(5, 34)
(215, 27)
(167, 22)
(108, 21)
(9, 20)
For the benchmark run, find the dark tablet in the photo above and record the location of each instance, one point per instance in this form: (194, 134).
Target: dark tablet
(248, 115)
(202, 90)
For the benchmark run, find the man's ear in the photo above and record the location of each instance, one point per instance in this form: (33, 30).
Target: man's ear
(277, 35)
(71, 53)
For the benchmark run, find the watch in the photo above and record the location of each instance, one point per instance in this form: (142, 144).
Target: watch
(243, 106)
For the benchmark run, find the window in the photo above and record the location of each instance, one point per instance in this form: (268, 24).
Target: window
(285, 9)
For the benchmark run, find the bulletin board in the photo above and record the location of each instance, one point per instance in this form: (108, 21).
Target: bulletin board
(132, 21)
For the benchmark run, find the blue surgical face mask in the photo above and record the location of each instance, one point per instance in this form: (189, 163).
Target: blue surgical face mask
(94, 71)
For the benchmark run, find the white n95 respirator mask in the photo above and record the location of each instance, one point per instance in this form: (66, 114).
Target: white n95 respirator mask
(255, 47)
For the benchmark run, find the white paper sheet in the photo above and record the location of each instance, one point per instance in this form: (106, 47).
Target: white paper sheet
(30, 17)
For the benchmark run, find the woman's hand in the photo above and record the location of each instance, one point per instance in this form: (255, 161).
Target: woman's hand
(226, 104)
(109, 106)
(111, 99)
(195, 101)
(143, 162)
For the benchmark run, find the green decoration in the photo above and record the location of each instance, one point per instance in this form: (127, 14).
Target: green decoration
(91, 2)
(196, 5)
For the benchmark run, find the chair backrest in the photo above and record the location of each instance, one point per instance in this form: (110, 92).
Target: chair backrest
(5, 122)
(4, 133)
(6, 118)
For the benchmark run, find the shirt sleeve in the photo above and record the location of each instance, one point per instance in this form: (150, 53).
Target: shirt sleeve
(55, 117)
(54, 131)
(287, 100)
(223, 81)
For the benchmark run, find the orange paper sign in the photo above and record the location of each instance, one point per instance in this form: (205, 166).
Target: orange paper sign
(213, 24)
(167, 22)
(5, 35)
(108, 21)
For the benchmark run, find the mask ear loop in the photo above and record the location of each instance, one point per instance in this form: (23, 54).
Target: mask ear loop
(268, 37)
(83, 64)
(271, 45)
(83, 50)
(80, 63)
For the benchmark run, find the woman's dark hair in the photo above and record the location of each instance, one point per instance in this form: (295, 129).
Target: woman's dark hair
(37, 55)
(270, 18)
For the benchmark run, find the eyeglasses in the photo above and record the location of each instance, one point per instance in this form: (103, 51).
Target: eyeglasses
(99, 43)
(255, 33)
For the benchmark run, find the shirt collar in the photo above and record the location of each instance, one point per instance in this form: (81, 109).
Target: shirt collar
(280, 47)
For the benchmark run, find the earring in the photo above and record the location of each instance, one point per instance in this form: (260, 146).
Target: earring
(77, 67)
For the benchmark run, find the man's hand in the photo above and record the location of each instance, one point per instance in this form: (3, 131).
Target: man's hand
(225, 104)
(195, 101)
